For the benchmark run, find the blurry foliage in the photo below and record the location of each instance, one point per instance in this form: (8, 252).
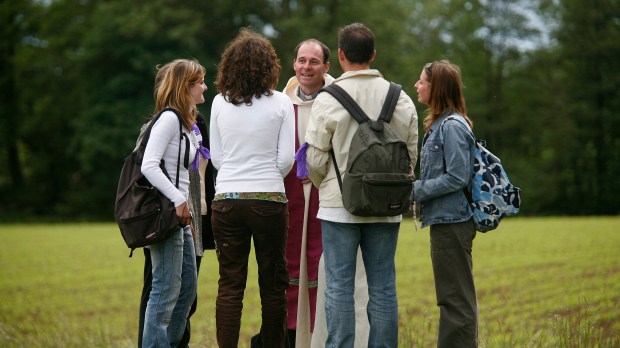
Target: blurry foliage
(77, 80)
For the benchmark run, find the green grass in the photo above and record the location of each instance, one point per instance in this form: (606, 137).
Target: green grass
(542, 282)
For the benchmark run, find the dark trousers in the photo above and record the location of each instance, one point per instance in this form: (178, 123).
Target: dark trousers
(146, 291)
(451, 246)
(235, 223)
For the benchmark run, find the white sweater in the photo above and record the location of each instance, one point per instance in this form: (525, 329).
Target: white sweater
(164, 143)
(252, 147)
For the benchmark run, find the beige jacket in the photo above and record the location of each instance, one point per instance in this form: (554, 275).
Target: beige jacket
(331, 125)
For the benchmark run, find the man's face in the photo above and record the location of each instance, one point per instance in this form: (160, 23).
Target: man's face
(309, 67)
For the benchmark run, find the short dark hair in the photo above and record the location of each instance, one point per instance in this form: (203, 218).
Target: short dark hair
(357, 42)
(324, 48)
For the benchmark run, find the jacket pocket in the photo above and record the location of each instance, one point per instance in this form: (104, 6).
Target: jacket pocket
(431, 160)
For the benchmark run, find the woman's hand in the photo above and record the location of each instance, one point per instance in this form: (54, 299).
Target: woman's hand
(184, 215)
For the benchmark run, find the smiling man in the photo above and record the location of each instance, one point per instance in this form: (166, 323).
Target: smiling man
(304, 245)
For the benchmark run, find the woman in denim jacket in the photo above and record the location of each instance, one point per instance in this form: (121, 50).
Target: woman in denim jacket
(446, 167)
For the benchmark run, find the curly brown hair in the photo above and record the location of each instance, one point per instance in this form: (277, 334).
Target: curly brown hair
(249, 67)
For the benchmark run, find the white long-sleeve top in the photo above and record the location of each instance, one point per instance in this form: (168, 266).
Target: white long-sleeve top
(252, 147)
(164, 143)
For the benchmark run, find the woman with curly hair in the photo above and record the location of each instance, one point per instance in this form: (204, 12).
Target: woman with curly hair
(252, 147)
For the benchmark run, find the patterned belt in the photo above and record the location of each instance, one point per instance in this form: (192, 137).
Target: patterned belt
(279, 197)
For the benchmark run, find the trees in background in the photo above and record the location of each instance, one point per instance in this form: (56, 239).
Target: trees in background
(586, 161)
(542, 85)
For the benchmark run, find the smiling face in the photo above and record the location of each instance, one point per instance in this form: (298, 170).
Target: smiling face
(423, 87)
(309, 67)
(196, 89)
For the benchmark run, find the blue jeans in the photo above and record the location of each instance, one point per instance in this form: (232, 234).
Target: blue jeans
(378, 245)
(173, 289)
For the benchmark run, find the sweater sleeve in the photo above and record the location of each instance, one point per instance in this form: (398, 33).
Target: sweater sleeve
(215, 142)
(286, 140)
(163, 133)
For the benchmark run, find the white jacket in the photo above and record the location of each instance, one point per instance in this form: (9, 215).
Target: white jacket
(330, 124)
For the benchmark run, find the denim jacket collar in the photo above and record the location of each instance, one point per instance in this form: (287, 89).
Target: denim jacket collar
(436, 124)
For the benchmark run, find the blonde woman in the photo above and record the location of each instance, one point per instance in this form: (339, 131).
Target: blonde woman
(179, 88)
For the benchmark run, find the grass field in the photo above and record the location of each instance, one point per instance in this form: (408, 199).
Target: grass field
(542, 282)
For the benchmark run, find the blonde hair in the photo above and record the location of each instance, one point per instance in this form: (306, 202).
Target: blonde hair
(172, 88)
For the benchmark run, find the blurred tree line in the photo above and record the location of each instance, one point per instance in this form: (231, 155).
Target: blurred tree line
(542, 85)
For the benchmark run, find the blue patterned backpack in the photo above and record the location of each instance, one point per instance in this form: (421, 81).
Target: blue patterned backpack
(492, 196)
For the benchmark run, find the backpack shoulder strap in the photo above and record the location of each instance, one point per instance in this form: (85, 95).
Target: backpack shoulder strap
(147, 135)
(462, 121)
(353, 108)
(347, 102)
(390, 102)
(180, 140)
(358, 114)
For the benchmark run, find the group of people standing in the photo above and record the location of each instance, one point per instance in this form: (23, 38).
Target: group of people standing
(327, 278)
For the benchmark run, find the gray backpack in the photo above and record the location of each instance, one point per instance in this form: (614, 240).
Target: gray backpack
(378, 178)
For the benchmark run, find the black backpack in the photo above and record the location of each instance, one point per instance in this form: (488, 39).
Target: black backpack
(144, 215)
(378, 178)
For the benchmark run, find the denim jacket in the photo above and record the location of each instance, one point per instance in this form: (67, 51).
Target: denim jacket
(445, 170)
